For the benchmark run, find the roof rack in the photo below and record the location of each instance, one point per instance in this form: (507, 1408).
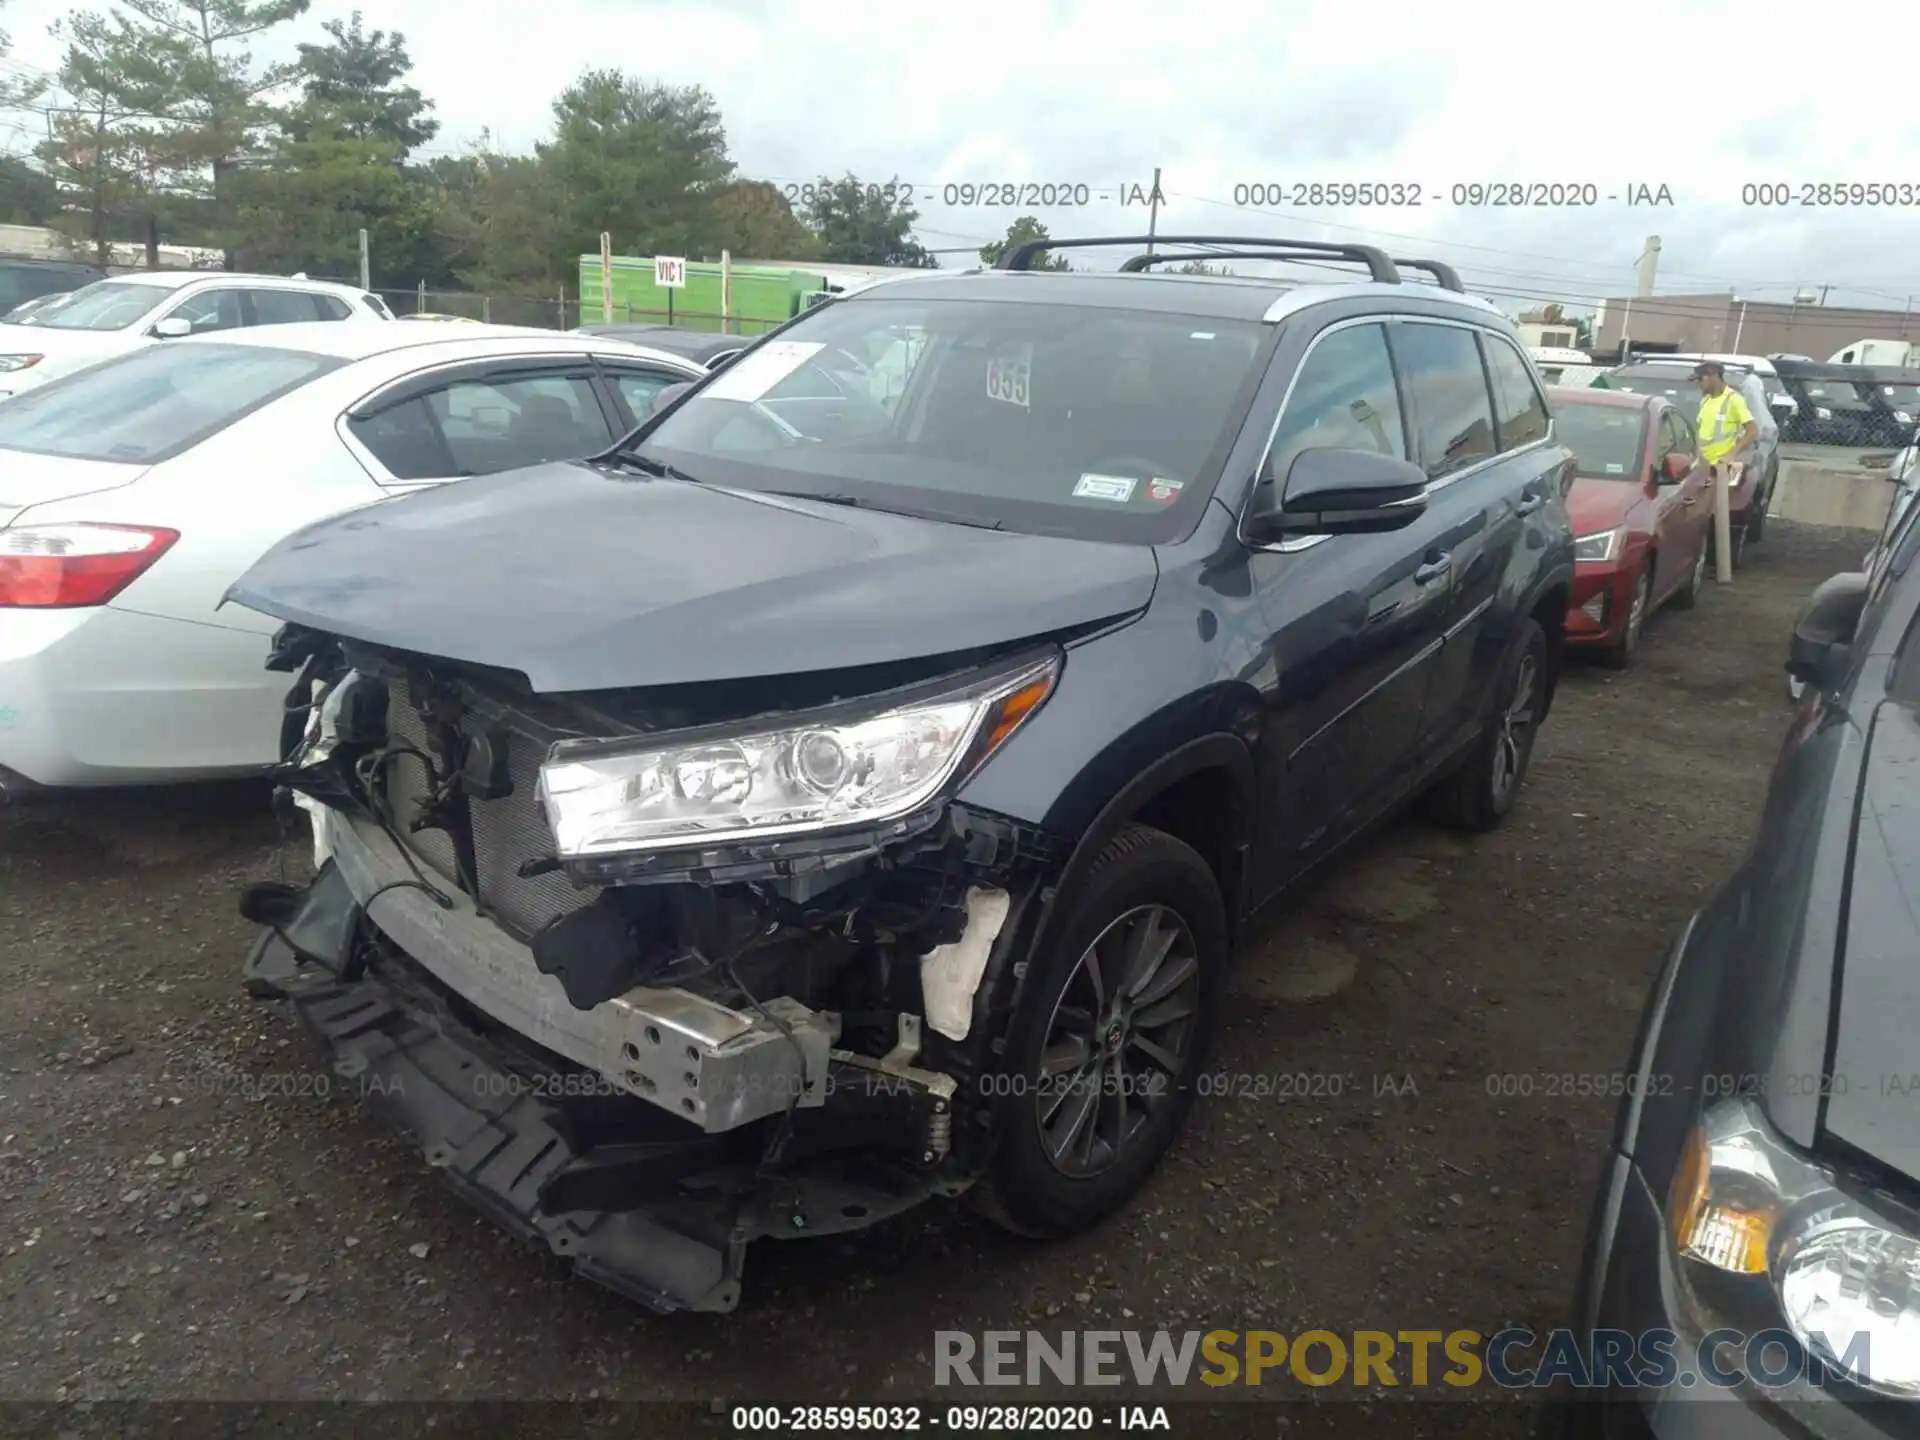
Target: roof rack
(1446, 275)
(1021, 256)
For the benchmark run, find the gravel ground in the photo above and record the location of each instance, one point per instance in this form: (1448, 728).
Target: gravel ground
(183, 1217)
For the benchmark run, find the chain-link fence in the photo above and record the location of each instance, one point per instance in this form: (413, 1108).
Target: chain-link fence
(560, 311)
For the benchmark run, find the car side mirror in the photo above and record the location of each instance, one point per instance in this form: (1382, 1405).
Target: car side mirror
(1675, 468)
(172, 328)
(1823, 633)
(1339, 492)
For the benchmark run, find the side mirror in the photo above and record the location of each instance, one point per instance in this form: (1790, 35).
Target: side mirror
(172, 328)
(1823, 634)
(1340, 492)
(667, 395)
(1675, 468)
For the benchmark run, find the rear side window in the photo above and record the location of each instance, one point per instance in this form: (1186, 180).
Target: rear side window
(153, 404)
(373, 303)
(1440, 367)
(1343, 399)
(1519, 406)
(406, 440)
(287, 307)
(482, 426)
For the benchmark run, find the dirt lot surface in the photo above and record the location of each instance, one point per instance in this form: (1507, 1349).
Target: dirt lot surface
(183, 1218)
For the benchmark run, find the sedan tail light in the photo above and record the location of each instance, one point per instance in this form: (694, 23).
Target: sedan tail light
(65, 566)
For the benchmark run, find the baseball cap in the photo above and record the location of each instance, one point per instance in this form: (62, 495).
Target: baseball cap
(1709, 367)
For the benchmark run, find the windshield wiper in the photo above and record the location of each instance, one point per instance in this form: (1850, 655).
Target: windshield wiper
(627, 460)
(856, 502)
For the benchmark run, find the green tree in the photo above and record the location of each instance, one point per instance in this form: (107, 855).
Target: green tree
(216, 103)
(336, 168)
(352, 85)
(105, 149)
(753, 219)
(643, 161)
(27, 196)
(1026, 228)
(864, 224)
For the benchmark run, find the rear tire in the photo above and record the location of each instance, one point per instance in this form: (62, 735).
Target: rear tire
(1482, 791)
(1688, 595)
(1739, 533)
(1088, 1117)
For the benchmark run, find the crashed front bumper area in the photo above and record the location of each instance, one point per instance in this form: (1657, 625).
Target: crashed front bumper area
(793, 1088)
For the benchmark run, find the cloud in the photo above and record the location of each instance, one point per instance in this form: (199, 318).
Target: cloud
(1102, 91)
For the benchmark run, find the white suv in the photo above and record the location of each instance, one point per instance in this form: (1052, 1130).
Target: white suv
(111, 317)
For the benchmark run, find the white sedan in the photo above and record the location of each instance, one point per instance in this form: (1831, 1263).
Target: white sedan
(133, 493)
(130, 312)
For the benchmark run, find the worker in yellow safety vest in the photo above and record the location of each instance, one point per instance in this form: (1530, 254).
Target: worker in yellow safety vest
(1727, 428)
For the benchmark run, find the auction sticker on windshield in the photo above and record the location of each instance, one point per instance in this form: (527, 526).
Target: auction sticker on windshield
(755, 373)
(1009, 377)
(1105, 487)
(1164, 492)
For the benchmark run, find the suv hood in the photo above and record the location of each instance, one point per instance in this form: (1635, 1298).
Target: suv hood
(1874, 1104)
(580, 579)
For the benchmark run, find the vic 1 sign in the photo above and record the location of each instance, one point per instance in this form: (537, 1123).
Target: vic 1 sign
(670, 272)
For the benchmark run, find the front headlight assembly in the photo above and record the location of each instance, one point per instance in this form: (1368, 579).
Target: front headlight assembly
(1600, 548)
(1771, 1230)
(871, 772)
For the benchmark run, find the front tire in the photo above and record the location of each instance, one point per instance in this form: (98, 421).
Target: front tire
(1482, 791)
(1116, 1020)
(1619, 655)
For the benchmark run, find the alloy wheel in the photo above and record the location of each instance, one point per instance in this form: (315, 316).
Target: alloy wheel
(1516, 729)
(1118, 1039)
(1637, 612)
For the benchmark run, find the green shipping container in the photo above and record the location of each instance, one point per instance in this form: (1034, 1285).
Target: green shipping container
(762, 298)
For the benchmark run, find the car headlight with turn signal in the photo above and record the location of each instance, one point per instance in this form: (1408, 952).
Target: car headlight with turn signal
(1600, 547)
(866, 769)
(1832, 1259)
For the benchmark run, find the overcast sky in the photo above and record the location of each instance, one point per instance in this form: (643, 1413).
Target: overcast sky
(1245, 92)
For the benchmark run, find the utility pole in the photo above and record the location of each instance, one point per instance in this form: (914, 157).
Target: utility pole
(366, 268)
(1153, 210)
(1649, 263)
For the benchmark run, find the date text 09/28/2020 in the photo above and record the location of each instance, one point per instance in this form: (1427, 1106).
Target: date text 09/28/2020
(1248, 195)
(1465, 194)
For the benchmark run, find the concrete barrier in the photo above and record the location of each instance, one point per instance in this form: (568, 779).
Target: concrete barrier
(1816, 494)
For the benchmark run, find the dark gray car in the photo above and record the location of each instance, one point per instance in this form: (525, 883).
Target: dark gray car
(843, 794)
(705, 348)
(1760, 1209)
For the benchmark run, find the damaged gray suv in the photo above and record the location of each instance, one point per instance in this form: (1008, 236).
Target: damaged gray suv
(849, 790)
